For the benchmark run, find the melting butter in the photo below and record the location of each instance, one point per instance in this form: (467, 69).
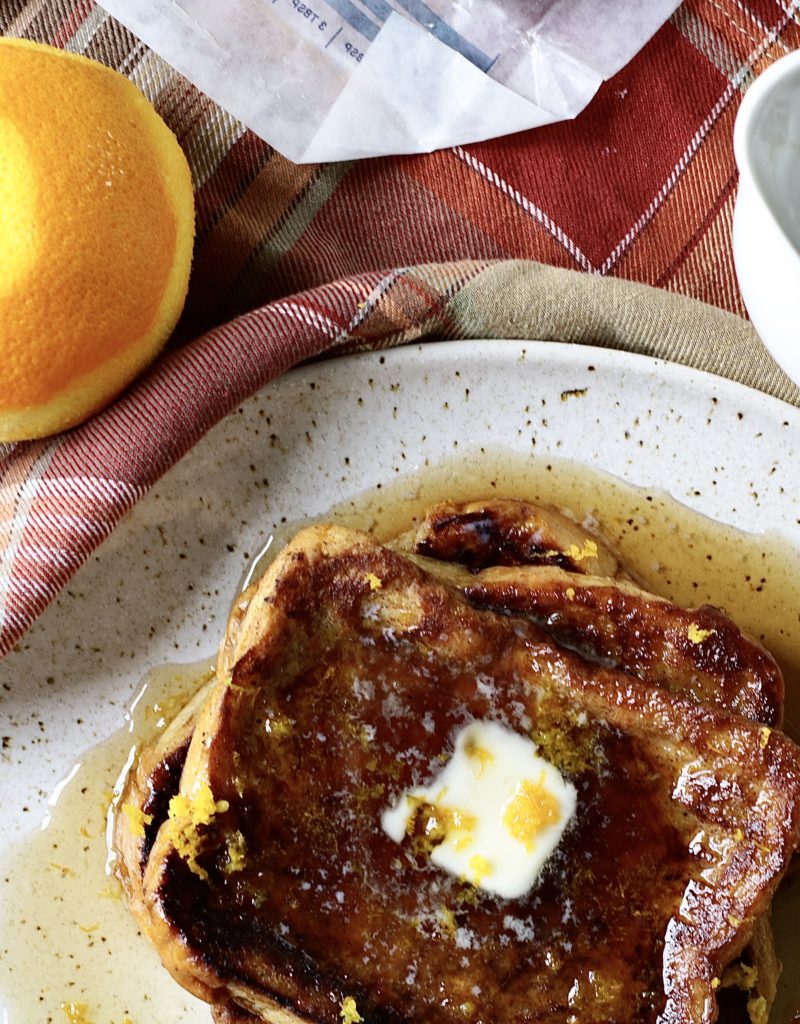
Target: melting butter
(495, 812)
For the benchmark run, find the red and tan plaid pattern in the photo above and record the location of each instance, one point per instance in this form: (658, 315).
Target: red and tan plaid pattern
(640, 186)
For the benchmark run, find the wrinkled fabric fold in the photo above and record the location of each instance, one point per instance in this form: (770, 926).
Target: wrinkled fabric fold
(538, 235)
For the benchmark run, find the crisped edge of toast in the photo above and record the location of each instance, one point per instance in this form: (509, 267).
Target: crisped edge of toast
(532, 533)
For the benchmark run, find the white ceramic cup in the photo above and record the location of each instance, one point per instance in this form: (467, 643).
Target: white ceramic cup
(766, 218)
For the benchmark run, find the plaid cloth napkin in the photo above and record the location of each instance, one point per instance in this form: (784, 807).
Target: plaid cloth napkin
(292, 262)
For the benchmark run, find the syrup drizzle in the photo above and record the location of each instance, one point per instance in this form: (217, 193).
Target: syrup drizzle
(66, 936)
(70, 952)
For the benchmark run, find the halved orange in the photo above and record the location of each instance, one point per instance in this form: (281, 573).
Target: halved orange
(96, 234)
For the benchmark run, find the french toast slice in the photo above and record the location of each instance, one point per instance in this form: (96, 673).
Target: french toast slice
(748, 986)
(687, 817)
(612, 621)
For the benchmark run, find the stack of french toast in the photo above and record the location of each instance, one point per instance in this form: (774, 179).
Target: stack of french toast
(251, 848)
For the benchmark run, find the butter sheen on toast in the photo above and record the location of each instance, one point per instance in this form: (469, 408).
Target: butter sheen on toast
(635, 917)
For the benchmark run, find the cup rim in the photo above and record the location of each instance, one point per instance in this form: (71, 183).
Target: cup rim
(755, 99)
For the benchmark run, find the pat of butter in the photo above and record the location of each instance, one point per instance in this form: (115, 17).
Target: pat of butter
(493, 815)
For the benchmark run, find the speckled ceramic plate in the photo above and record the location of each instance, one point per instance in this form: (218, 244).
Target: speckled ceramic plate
(159, 590)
